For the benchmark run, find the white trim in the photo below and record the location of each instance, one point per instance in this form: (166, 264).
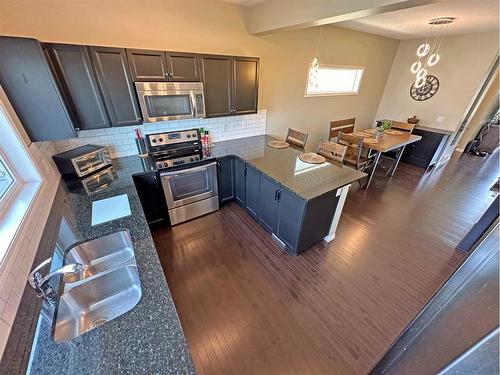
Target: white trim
(13, 189)
(338, 211)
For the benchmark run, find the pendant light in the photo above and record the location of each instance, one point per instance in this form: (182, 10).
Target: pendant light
(428, 52)
(313, 71)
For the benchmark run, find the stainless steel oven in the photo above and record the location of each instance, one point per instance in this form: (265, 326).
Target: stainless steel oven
(162, 101)
(190, 192)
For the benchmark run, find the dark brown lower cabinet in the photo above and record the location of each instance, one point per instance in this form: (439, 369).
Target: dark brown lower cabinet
(116, 85)
(226, 179)
(295, 223)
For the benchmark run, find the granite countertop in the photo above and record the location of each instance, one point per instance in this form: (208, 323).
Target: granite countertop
(284, 166)
(149, 338)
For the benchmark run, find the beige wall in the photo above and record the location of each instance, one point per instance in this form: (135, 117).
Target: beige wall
(484, 113)
(465, 61)
(216, 27)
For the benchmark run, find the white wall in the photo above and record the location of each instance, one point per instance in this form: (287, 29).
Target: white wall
(464, 64)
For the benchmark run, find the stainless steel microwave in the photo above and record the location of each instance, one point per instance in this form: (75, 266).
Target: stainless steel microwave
(161, 101)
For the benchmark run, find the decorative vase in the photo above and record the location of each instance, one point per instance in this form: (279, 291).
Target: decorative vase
(413, 120)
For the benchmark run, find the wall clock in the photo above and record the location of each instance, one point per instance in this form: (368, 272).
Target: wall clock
(427, 91)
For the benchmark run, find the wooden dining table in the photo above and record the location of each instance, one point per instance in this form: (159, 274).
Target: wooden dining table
(388, 142)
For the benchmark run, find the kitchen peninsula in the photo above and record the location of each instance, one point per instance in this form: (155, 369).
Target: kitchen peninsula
(297, 202)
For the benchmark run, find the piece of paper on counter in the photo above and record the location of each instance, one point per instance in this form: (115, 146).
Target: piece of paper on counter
(109, 209)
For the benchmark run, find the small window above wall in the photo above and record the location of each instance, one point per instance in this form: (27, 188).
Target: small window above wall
(329, 80)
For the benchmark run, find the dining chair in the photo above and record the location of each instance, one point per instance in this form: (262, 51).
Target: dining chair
(344, 126)
(402, 126)
(354, 151)
(331, 150)
(296, 138)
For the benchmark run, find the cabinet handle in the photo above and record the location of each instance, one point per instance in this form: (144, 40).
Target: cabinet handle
(278, 195)
(245, 173)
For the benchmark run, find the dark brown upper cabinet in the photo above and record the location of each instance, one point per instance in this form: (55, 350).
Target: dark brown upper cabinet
(147, 65)
(183, 66)
(26, 77)
(245, 85)
(217, 83)
(231, 85)
(116, 84)
(78, 82)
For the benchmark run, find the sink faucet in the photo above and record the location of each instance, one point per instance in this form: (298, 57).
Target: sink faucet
(41, 283)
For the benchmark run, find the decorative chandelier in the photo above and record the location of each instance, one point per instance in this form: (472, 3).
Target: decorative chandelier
(313, 70)
(428, 52)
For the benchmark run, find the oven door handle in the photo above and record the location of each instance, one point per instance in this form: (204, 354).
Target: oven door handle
(188, 170)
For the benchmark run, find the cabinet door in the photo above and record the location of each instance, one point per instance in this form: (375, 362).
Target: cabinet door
(245, 85)
(217, 81)
(226, 180)
(290, 216)
(183, 66)
(150, 193)
(78, 81)
(146, 65)
(239, 181)
(252, 187)
(32, 90)
(422, 152)
(268, 206)
(116, 84)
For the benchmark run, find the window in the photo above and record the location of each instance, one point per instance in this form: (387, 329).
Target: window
(6, 180)
(20, 181)
(329, 80)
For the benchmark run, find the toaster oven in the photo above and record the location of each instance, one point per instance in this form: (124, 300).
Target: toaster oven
(83, 160)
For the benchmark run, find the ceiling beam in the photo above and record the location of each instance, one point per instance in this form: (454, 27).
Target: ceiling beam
(283, 15)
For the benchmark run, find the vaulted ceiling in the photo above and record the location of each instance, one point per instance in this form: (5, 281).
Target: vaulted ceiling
(400, 19)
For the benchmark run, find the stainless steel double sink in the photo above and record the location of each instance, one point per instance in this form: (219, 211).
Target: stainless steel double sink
(107, 286)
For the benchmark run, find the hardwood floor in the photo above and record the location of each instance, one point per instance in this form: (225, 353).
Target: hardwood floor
(248, 308)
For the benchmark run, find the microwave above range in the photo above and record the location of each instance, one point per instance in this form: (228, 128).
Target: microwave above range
(161, 101)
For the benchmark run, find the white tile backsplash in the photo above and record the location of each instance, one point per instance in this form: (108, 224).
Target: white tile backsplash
(120, 140)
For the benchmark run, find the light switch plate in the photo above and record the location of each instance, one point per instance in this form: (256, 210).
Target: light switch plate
(440, 119)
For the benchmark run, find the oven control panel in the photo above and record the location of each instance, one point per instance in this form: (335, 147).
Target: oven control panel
(172, 138)
(177, 161)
